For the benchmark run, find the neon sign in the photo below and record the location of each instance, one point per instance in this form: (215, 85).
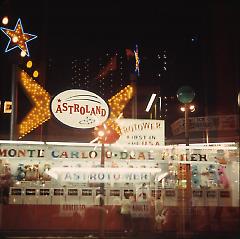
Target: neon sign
(18, 38)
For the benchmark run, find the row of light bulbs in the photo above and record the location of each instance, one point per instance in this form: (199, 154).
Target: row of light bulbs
(117, 103)
(41, 100)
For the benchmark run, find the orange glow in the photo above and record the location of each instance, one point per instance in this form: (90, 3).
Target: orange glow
(40, 99)
(14, 39)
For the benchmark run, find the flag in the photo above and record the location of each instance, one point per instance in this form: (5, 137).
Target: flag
(111, 66)
(129, 53)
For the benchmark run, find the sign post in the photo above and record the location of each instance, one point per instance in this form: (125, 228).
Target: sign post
(185, 95)
(102, 213)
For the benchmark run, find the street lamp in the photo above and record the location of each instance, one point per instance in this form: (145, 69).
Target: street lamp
(190, 107)
(186, 95)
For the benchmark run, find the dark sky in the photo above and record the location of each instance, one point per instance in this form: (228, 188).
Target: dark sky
(72, 29)
(72, 25)
(201, 39)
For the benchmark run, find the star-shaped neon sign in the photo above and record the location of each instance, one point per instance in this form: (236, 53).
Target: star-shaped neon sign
(18, 38)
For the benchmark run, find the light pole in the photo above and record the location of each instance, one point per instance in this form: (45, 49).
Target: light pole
(186, 109)
(105, 135)
(185, 95)
(102, 139)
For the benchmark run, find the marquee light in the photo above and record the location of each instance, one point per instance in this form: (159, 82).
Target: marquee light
(23, 53)
(29, 64)
(117, 103)
(5, 20)
(35, 74)
(18, 38)
(40, 98)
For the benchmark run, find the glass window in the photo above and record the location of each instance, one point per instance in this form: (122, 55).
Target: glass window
(44, 192)
(98, 191)
(128, 193)
(16, 191)
(86, 192)
(58, 192)
(30, 192)
(114, 192)
(72, 192)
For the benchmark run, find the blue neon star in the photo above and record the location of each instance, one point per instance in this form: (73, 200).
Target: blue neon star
(17, 38)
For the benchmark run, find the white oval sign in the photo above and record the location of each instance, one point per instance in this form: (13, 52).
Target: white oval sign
(79, 108)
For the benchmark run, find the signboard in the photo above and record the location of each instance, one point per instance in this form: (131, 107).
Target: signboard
(212, 123)
(105, 175)
(220, 153)
(79, 109)
(141, 132)
(140, 209)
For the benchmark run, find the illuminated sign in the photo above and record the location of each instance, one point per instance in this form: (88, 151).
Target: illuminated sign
(40, 99)
(117, 155)
(141, 132)
(79, 109)
(212, 123)
(105, 175)
(8, 107)
(17, 38)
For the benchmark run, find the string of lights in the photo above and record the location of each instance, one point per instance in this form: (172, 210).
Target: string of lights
(40, 99)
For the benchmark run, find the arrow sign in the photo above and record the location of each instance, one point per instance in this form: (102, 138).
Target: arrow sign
(40, 99)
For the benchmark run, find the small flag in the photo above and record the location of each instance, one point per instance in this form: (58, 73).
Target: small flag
(111, 66)
(129, 53)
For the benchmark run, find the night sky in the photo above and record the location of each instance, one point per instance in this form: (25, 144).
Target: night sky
(201, 42)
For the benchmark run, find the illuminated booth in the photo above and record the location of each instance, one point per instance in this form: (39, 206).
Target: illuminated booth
(64, 179)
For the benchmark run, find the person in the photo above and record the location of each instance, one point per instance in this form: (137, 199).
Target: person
(142, 192)
(126, 212)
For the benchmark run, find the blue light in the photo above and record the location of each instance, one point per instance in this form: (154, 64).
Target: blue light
(31, 37)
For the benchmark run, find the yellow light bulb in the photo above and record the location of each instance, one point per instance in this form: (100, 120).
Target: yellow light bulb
(35, 74)
(29, 64)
